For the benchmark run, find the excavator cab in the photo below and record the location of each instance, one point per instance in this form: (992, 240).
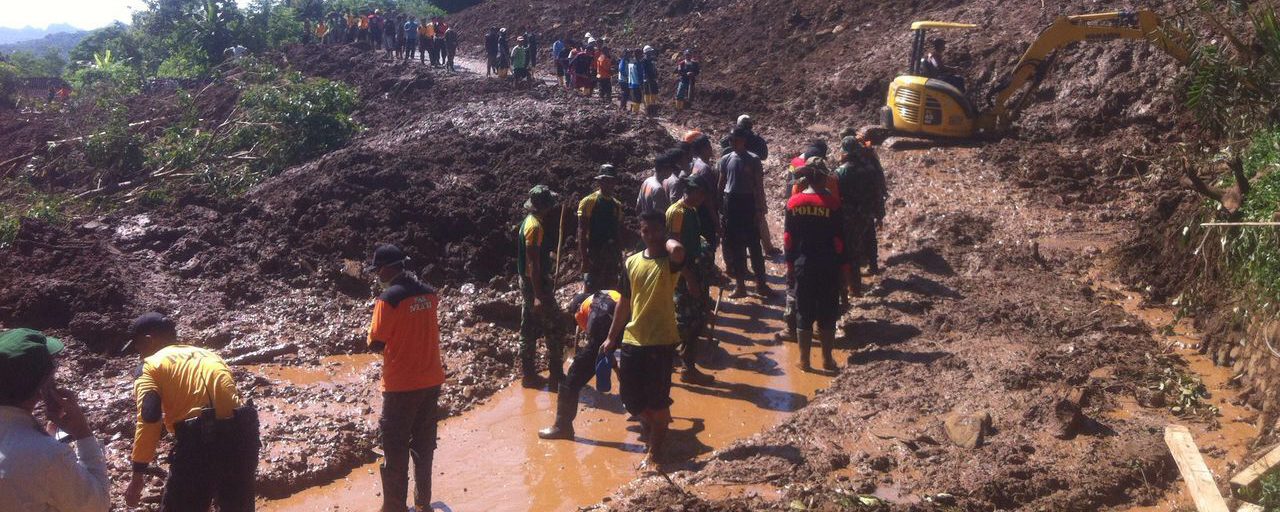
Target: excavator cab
(922, 105)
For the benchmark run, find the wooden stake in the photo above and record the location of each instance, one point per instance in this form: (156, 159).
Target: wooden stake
(1198, 477)
(1251, 473)
(1237, 224)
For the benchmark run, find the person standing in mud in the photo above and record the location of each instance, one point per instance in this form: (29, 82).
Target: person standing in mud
(375, 29)
(539, 314)
(674, 184)
(709, 210)
(391, 38)
(520, 64)
(532, 39)
(624, 59)
(556, 48)
(405, 329)
(504, 53)
(653, 196)
(684, 226)
(635, 80)
(600, 233)
(593, 312)
(604, 74)
(491, 51)
(190, 392)
(650, 63)
(426, 38)
(645, 325)
(410, 38)
(450, 46)
(863, 192)
(813, 231)
(688, 71)
(740, 175)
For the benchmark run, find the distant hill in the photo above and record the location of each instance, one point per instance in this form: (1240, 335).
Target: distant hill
(63, 42)
(14, 35)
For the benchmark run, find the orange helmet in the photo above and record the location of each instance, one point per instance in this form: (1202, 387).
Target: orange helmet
(691, 135)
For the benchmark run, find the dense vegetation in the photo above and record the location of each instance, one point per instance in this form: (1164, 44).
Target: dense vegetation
(1230, 88)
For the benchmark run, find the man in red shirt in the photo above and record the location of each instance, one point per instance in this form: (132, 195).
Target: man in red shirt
(406, 330)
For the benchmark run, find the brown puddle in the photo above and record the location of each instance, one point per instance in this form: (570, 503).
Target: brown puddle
(1225, 444)
(491, 459)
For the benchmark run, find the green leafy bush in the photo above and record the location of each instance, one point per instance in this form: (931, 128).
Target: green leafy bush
(8, 83)
(293, 119)
(45, 207)
(1252, 254)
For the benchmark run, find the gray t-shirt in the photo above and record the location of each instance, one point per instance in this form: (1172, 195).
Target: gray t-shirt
(741, 172)
(653, 197)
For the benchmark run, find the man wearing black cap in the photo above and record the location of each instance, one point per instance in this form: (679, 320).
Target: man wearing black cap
(190, 392)
(599, 230)
(539, 314)
(40, 472)
(683, 225)
(741, 174)
(405, 329)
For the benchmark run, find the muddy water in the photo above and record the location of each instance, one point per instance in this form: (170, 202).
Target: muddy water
(1223, 445)
(491, 459)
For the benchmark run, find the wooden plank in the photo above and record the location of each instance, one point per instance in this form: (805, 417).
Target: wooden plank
(1253, 472)
(1204, 492)
(1249, 507)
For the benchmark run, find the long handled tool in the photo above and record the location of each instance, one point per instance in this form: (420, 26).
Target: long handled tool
(715, 315)
(555, 277)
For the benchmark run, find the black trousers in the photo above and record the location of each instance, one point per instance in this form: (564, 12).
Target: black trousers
(742, 235)
(408, 425)
(213, 464)
(606, 89)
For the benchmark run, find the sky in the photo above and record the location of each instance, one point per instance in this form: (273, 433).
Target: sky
(83, 14)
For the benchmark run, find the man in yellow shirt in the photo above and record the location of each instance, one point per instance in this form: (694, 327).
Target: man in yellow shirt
(600, 233)
(190, 392)
(540, 317)
(646, 319)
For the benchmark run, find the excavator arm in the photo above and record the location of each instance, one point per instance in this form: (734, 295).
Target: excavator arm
(1037, 62)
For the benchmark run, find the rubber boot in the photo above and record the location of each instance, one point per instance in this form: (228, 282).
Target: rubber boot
(828, 339)
(395, 490)
(739, 290)
(566, 411)
(805, 339)
(529, 377)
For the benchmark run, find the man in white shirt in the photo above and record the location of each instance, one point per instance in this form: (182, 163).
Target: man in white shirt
(40, 472)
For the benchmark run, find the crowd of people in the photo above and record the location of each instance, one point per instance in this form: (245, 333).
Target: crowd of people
(653, 306)
(589, 67)
(399, 35)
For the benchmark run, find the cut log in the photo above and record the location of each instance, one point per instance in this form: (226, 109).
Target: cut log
(1204, 492)
(1253, 472)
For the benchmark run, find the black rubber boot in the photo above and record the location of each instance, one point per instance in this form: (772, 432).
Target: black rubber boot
(828, 339)
(395, 490)
(805, 340)
(566, 411)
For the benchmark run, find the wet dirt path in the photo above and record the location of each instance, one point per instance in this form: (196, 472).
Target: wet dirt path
(491, 459)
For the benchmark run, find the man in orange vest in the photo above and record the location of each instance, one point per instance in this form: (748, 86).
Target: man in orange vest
(405, 329)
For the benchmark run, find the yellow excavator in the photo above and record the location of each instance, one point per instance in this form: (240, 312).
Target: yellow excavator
(933, 107)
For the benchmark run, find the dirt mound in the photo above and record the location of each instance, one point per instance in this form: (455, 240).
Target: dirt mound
(57, 279)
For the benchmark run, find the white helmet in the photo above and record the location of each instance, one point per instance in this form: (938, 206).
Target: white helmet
(648, 49)
(589, 36)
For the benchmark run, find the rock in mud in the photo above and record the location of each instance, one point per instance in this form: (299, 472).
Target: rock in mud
(967, 430)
